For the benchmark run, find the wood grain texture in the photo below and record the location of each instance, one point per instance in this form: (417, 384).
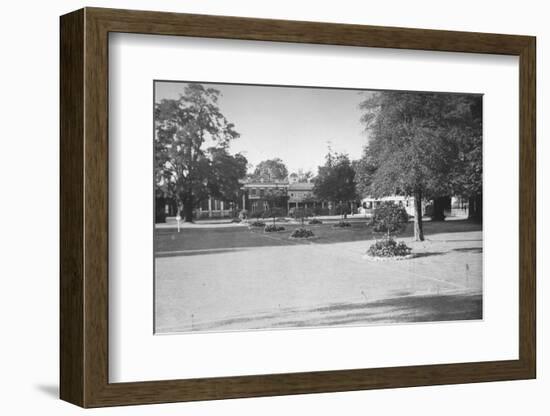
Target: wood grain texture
(527, 208)
(71, 208)
(84, 207)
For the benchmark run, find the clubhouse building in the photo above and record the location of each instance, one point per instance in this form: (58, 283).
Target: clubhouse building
(288, 195)
(255, 196)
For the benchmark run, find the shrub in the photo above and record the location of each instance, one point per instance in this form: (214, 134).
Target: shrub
(342, 209)
(389, 218)
(315, 221)
(321, 211)
(258, 214)
(274, 213)
(272, 228)
(243, 214)
(302, 233)
(257, 223)
(342, 224)
(302, 214)
(388, 247)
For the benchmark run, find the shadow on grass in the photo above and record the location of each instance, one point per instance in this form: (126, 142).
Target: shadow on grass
(189, 253)
(427, 254)
(469, 250)
(399, 309)
(406, 309)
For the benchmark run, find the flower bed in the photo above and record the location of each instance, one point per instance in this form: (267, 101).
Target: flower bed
(342, 224)
(389, 248)
(257, 224)
(272, 228)
(315, 221)
(302, 233)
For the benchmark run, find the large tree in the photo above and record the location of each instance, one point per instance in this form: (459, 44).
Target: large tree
(192, 159)
(467, 175)
(270, 170)
(364, 170)
(416, 144)
(336, 179)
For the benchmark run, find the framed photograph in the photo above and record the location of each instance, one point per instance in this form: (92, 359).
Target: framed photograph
(257, 207)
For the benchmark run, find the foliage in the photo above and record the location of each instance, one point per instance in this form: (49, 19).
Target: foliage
(258, 214)
(343, 209)
(389, 217)
(225, 173)
(342, 224)
(276, 198)
(302, 233)
(257, 223)
(302, 214)
(273, 228)
(274, 213)
(421, 144)
(315, 221)
(364, 170)
(304, 177)
(336, 178)
(321, 211)
(270, 170)
(388, 247)
(192, 139)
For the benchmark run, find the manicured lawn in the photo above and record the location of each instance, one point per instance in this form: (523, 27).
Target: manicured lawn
(202, 238)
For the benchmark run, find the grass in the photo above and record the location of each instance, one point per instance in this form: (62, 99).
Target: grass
(167, 240)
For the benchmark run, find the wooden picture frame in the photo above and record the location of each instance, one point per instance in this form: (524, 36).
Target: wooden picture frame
(84, 207)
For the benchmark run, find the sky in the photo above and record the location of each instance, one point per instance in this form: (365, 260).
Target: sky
(295, 124)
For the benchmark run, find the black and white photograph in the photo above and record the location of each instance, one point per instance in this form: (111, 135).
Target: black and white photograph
(285, 207)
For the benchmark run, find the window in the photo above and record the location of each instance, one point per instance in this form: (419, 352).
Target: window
(261, 193)
(253, 191)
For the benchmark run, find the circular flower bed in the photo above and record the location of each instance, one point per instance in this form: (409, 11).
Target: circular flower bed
(257, 224)
(302, 233)
(342, 224)
(389, 249)
(272, 228)
(315, 221)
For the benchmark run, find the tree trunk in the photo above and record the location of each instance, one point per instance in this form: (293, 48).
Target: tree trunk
(439, 206)
(188, 209)
(418, 230)
(160, 207)
(475, 208)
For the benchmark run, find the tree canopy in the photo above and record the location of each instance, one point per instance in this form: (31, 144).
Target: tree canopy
(270, 170)
(336, 179)
(421, 144)
(192, 159)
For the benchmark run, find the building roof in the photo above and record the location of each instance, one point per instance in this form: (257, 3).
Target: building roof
(301, 186)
